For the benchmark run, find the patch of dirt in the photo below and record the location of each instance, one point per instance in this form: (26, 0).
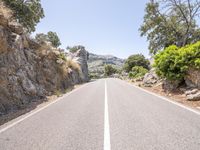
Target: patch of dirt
(177, 95)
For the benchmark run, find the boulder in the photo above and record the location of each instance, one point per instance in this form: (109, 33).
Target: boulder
(170, 85)
(192, 78)
(150, 78)
(193, 91)
(194, 97)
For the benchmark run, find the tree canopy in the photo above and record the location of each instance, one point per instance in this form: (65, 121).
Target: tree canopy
(136, 60)
(26, 12)
(169, 22)
(109, 70)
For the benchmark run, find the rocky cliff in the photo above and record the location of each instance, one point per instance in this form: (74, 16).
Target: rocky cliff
(96, 62)
(29, 71)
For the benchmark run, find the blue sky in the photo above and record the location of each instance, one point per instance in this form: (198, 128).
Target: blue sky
(102, 26)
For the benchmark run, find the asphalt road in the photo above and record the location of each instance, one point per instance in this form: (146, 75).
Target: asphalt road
(127, 117)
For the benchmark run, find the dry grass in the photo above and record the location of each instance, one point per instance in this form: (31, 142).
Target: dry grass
(73, 64)
(6, 12)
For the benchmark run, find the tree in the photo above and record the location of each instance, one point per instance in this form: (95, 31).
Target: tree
(136, 60)
(171, 22)
(109, 70)
(53, 38)
(26, 12)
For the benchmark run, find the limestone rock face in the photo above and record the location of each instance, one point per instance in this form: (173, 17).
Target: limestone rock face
(3, 40)
(15, 27)
(29, 71)
(81, 57)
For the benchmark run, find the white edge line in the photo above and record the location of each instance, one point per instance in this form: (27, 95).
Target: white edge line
(107, 145)
(164, 98)
(37, 111)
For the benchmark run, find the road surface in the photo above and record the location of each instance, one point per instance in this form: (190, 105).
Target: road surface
(103, 115)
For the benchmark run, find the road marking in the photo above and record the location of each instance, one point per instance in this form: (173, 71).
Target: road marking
(106, 122)
(37, 111)
(166, 99)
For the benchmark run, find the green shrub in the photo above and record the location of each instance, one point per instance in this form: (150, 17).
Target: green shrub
(136, 60)
(109, 70)
(173, 62)
(137, 72)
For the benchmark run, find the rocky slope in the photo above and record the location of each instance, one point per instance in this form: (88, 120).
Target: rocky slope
(96, 62)
(29, 71)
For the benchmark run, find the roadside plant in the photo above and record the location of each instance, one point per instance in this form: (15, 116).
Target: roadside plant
(136, 60)
(172, 63)
(137, 72)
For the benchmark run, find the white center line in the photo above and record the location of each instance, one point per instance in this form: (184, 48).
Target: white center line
(106, 123)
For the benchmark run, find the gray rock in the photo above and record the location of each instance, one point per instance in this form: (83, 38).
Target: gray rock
(170, 85)
(81, 56)
(192, 78)
(194, 97)
(194, 91)
(150, 78)
(3, 40)
(27, 74)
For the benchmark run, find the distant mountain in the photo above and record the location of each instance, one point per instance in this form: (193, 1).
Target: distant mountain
(96, 62)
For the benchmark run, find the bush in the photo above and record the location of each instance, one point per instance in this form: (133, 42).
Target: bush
(136, 60)
(109, 70)
(173, 62)
(137, 72)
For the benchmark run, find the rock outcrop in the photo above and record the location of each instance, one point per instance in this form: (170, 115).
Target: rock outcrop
(96, 63)
(150, 78)
(30, 71)
(192, 78)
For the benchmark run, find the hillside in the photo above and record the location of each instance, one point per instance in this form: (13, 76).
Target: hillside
(30, 71)
(96, 62)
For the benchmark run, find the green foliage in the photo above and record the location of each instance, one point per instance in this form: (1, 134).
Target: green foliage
(136, 60)
(137, 72)
(26, 12)
(51, 37)
(54, 39)
(173, 62)
(74, 49)
(170, 23)
(109, 70)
